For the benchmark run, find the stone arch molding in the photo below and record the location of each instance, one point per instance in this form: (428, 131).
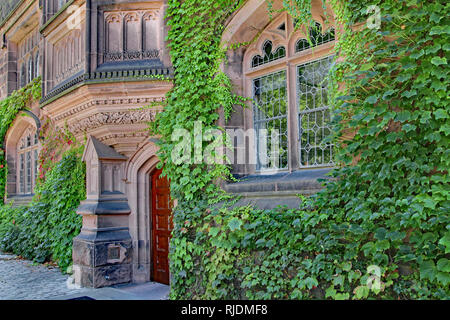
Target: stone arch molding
(138, 173)
(252, 19)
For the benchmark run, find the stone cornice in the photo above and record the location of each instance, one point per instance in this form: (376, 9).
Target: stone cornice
(105, 77)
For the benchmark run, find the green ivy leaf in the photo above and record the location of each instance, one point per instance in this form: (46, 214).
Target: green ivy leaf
(445, 241)
(362, 292)
(235, 224)
(437, 61)
(443, 265)
(428, 270)
(440, 114)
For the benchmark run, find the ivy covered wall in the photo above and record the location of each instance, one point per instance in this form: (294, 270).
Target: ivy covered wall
(381, 228)
(43, 230)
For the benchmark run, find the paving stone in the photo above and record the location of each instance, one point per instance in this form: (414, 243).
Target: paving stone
(22, 280)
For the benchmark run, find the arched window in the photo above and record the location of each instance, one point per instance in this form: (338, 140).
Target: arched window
(37, 67)
(289, 87)
(27, 161)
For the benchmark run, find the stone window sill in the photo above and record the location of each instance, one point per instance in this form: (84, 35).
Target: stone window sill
(285, 182)
(281, 189)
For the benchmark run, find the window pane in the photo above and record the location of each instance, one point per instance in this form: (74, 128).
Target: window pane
(314, 114)
(22, 174)
(28, 169)
(35, 169)
(270, 113)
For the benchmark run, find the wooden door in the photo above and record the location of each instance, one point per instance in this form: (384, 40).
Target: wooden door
(161, 226)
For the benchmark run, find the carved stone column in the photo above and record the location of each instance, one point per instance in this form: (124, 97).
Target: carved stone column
(102, 252)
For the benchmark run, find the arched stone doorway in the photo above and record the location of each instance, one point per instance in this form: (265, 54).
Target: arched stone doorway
(141, 185)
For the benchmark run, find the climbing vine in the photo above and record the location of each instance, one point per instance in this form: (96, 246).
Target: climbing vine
(381, 228)
(43, 230)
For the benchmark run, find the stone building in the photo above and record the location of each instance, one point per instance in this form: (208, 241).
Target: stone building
(101, 61)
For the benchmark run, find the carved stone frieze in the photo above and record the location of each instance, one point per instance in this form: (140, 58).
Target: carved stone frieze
(104, 118)
(133, 55)
(121, 101)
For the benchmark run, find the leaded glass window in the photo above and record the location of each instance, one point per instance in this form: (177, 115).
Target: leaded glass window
(270, 120)
(268, 54)
(28, 153)
(291, 111)
(314, 113)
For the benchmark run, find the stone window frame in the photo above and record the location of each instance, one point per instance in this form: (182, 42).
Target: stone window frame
(285, 37)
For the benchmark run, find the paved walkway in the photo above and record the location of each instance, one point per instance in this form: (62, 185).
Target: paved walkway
(23, 280)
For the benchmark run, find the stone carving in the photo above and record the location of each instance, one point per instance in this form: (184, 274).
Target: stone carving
(68, 57)
(139, 134)
(131, 35)
(93, 103)
(102, 118)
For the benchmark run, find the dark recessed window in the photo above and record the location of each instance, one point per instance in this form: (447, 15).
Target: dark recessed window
(316, 38)
(268, 54)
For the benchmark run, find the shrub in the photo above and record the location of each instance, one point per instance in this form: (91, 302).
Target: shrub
(306, 253)
(44, 230)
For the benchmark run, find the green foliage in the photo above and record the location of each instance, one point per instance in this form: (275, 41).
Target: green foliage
(388, 209)
(244, 253)
(44, 230)
(55, 142)
(200, 89)
(17, 101)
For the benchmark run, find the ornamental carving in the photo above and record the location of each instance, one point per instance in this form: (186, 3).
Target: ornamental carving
(132, 55)
(131, 35)
(120, 101)
(103, 118)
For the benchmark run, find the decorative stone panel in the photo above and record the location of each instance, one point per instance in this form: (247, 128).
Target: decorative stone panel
(131, 35)
(102, 252)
